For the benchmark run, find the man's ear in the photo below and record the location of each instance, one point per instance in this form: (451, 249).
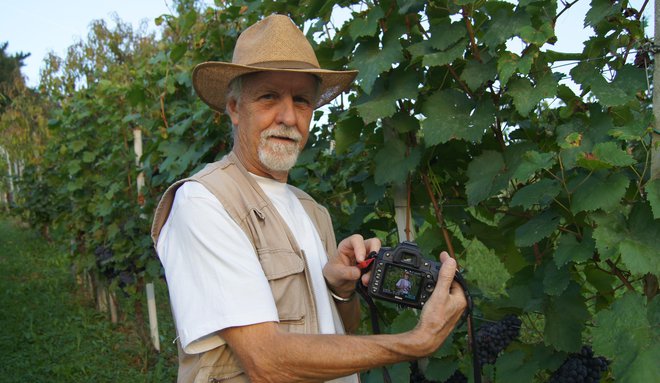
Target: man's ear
(232, 110)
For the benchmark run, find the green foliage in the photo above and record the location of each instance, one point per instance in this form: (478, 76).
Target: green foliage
(51, 330)
(541, 188)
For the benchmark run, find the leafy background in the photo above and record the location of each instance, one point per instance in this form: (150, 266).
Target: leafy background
(538, 181)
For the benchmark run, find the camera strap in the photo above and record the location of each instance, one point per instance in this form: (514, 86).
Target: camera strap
(373, 315)
(467, 316)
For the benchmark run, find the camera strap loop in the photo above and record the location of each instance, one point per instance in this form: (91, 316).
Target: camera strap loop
(375, 325)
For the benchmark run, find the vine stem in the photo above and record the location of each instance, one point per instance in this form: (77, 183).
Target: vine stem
(460, 82)
(632, 41)
(468, 25)
(619, 275)
(438, 214)
(567, 5)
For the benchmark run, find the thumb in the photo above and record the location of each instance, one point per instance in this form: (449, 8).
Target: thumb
(447, 271)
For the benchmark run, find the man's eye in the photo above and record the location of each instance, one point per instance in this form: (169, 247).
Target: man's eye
(267, 96)
(302, 100)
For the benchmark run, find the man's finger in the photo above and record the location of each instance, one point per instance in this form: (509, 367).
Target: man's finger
(447, 271)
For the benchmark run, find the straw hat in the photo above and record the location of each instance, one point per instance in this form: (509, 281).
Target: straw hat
(272, 44)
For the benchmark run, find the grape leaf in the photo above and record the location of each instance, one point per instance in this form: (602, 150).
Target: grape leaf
(653, 195)
(381, 102)
(347, 132)
(625, 336)
(599, 10)
(540, 193)
(366, 26)
(570, 250)
(532, 162)
(476, 73)
(555, 280)
(507, 65)
(446, 35)
(481, 174)
(537, 228)
(601, 190)
(565, 319)
(526, 96)
(485, 269)
(607, 234)
(605, 155)
(451, 115)
(525, 290)
(394, 162)
(636, 239)
(371, 59)
(440, 369)
(537, 36)
(515, 367)
(622, 89)
(405, 321)
(504, 24)
(447, 56)
(639, 246)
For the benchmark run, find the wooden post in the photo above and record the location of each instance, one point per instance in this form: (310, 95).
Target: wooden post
(137, 147)
(153, 320)
(151, 296)
(10, 195)
(401, 208)
(402, 213)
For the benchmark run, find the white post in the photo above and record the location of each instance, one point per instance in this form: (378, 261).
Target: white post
(401, 209)
(153, 320)
(401, 213)
(137, 147)
(9, 172)
(151, 297)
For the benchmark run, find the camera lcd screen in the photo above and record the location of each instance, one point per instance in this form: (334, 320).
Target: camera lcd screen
(401, 283)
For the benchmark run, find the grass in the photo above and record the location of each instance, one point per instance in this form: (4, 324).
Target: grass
(52, 332)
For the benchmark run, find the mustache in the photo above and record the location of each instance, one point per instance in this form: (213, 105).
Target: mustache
(282, 131)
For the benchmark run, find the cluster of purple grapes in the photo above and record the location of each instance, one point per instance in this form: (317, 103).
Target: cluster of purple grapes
(493, 338)
(580, 367)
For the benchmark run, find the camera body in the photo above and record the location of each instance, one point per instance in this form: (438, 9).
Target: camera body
(402, 275)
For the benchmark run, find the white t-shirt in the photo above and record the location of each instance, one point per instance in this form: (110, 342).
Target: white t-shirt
(214, 276)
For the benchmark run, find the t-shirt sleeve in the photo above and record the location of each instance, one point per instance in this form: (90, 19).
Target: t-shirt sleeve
(214, 277)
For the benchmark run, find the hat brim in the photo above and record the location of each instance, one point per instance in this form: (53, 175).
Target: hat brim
(211, 79)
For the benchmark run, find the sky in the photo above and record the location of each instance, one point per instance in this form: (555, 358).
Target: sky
(41, 26)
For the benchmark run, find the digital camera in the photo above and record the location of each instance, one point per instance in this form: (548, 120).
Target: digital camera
(402, 275)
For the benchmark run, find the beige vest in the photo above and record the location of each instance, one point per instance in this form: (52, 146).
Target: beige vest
(282, 261)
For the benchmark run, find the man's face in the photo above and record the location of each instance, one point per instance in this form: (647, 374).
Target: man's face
(272, 120)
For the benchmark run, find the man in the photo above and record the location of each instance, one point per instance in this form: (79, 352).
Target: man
(259, 290)
(404, 284)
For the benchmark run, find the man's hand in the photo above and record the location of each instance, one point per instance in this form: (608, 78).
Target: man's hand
(341, 271)
(443, 309)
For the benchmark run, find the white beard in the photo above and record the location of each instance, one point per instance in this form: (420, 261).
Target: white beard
(279, 156)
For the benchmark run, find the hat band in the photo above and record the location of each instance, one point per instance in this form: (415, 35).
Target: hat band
(283, 64)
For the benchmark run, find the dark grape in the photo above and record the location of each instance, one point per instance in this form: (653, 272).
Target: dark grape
(580, 367)
(492, 338)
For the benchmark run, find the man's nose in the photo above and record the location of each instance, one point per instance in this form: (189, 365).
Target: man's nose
(287, 114)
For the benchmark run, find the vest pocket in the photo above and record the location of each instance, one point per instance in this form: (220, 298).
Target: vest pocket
(219, 365)
(284, 270)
